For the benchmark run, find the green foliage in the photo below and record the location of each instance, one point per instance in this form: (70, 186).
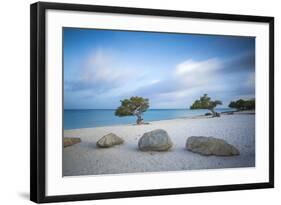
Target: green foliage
(205, 102)
(243, 104)
(134, 106)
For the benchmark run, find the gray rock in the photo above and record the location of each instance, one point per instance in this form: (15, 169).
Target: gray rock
(109, 140)
(69, 141)
(210, 146)
(156, 140)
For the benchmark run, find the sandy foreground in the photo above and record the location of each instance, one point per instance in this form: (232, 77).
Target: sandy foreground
(86, 158)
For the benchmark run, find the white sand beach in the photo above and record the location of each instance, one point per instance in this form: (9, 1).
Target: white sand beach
(86, 158)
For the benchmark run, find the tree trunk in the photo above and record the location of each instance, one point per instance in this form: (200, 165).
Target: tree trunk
(139, 119)
(213, 112)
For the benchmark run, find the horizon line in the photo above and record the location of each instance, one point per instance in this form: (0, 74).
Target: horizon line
(147, 109)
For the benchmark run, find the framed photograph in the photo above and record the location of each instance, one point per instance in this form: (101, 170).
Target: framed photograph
(129, 102)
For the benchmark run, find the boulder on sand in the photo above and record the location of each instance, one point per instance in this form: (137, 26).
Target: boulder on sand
(210, 146)
(109, 140)
(156, 140)
(69, 141)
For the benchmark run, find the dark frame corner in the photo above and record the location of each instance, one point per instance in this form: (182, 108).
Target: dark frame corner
(37, 100)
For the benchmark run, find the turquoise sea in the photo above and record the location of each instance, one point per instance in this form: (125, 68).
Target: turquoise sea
(74, 119)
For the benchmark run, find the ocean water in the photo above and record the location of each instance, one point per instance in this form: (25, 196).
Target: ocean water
(74, 119)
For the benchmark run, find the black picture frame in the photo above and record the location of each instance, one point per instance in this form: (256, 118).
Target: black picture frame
(38, 103)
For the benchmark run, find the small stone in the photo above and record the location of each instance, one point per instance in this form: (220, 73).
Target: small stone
(69, 141)
(109, 140)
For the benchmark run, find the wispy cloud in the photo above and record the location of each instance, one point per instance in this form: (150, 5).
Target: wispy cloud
(102, 76)
(103, 67)
(187, 76)
(100, 73)
(101, 80)
(192, 78)
(193, 73)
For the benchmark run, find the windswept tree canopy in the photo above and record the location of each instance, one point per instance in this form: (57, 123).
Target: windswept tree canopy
(243, 104)
(205, 102)
(134, 106)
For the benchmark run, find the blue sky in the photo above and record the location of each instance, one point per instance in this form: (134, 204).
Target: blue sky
(101, 67)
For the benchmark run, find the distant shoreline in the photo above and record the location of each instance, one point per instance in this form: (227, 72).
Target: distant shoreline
(249, 112)
(223, 108)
